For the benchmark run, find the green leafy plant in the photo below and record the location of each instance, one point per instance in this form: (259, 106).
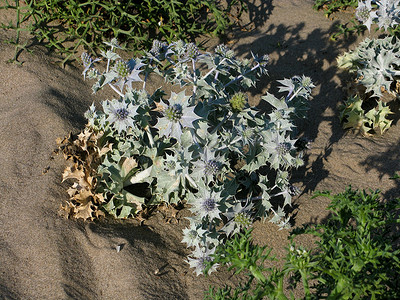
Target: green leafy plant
(376, 66)
(67, 25)
(203, 145)
(331, 6)
(356, 255)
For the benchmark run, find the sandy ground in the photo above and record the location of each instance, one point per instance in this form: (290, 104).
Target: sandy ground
(43, 256)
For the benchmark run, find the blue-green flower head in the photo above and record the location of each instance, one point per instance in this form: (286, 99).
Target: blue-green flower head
(247, 134)
(177, 115)
(193, 235)
(158, 47)
(279, 148)
(192, 51)
(365, 14)
(207, 205)
(120, 114)
(238, 218)
(208, 166)
(199, 258)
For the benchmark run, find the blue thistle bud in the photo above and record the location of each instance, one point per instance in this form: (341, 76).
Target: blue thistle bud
(209, 204)
(157, 47)
(212, 167)
(122, 113)
(283, 148)
(192, 51)
(174, 113)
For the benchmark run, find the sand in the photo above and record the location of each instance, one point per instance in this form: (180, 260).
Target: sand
(44, 256)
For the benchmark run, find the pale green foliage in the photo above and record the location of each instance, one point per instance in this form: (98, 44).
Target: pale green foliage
(354, 116)
(376, 65)
(197, 146)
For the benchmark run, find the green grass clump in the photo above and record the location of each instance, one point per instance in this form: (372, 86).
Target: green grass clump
(331, 6)
(357, 255)
(137, 22)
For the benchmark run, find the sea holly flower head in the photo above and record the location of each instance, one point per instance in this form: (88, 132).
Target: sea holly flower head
(120, 114)
(279, 148)
(128, 72)
(239, 217)
(121, 67)
(177, 115)
(238, 102)
(192, 52)
(224, 51)
(365, 14)
(208, 166)
(158, 47)
(207, 205)
(88, 63)
(200, 256)
(388, 13)
(193, 235)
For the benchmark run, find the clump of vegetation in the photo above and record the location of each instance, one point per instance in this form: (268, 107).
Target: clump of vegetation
(64, 25)
(203, 145)
(376, 66)
(356, 255)
(332, 6)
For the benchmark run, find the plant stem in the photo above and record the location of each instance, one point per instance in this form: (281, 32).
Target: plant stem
(242, 75)
(150, 136)
(115, 89)
(305, 284)
(213, 69)
(255, 271)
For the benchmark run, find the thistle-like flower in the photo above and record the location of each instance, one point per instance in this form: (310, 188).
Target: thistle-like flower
(199, 258)
(365, 14)
(208, 166)
(121, 67)
(192, 52)
(127, 72)
(157, 47)
(120, 114)
(238, 102)
(207, 205)
(88, 62)
(193, 235)
(177, 116)
(279, 148)
(224, 51)
(238, 218)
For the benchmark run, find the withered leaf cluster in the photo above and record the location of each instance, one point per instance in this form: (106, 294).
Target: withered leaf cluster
(83, 155)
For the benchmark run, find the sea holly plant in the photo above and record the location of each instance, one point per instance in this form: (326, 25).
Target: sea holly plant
(384, 13)
(376, 66)
(201, 144)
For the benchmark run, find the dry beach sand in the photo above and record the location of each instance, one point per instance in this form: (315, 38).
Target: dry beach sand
(43, 256)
